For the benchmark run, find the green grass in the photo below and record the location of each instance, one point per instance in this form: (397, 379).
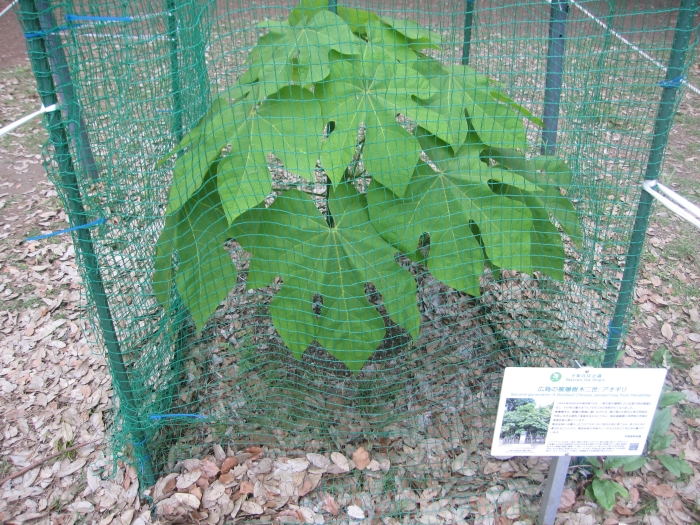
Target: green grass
(5, 467)
(690, 410)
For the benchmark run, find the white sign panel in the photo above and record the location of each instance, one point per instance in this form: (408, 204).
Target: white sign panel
(576, 411)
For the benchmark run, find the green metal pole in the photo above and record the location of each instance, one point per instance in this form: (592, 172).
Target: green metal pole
(556, 50)
(333, 6)
(64, 83)
(175, 69)
(59, 138)
(676, 63)
(468, 23)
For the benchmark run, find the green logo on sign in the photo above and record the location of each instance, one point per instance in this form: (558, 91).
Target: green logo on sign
(556, 376)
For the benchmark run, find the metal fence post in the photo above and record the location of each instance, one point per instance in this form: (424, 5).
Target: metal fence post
(57, 133)
(556, 50)
(66, 91)
(662, 126)
(468, 24)
(175, 69)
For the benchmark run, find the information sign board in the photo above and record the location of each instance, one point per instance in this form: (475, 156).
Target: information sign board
(576, 411)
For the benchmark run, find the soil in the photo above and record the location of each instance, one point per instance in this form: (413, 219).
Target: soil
(16, 179)
(13, 51)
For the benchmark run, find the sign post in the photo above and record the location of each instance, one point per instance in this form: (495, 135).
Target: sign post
(566, 412)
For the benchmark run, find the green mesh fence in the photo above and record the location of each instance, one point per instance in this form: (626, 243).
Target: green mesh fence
(358, 232)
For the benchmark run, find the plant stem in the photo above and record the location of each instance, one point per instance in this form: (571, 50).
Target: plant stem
(329, 216)
(44, 460)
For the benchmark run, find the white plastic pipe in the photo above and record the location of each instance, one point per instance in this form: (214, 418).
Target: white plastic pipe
(677, 204)
(24, 120)
(8, 8)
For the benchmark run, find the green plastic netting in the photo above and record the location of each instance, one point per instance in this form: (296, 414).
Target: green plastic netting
(138, 77)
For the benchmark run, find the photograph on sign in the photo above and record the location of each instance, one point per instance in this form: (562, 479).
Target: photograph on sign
(576, 411)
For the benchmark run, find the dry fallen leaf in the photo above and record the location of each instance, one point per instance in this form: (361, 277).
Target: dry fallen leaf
(209, 468)
(330, 505)
(165, 487)
(667, 331)
(246, 487)
(663, 490)
(622, 511)
(306, 487)
(250, 507)
(340, 461)
(694, 315)
(568, 499)
(188, 479)
(318, 460)
(356, 512)
(634, 497)
(694, 374)
(361, 458)
(228, 464)
(492, 467)
(306, 515)
(188, 500)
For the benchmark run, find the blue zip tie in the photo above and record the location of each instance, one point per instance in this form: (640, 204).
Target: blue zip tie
(141, 458)
(98, 222)
(673, 83)
(85, 18)
(156, 417)
(615, 330)
(140, 443)
(40, 34)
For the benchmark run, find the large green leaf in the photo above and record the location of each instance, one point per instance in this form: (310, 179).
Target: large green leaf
(414, 33)
(306, 10)
(460, 89)
(357, 19)
(288, 124)
(658, 438)
(549, 174)
(298, 51)
(668, 399)
(445, 203)
(675, 466)
(205, 273)
(291, 239)
(372, 89)
(204, 145)
(605, 491)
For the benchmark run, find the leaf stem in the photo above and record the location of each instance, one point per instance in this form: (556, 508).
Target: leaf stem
(329, 216)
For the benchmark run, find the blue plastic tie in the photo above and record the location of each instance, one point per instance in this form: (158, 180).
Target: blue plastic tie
(673, 83)
(86, 18)
(615, 330)
(141, 458)
(156, 417)
(43, 33)
(99, 221)
(140, 443)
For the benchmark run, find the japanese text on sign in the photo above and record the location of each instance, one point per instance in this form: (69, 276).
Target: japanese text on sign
(578, 411)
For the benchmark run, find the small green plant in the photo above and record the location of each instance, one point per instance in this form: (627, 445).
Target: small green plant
(604, 490)
(418, 157)
(62, 445)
